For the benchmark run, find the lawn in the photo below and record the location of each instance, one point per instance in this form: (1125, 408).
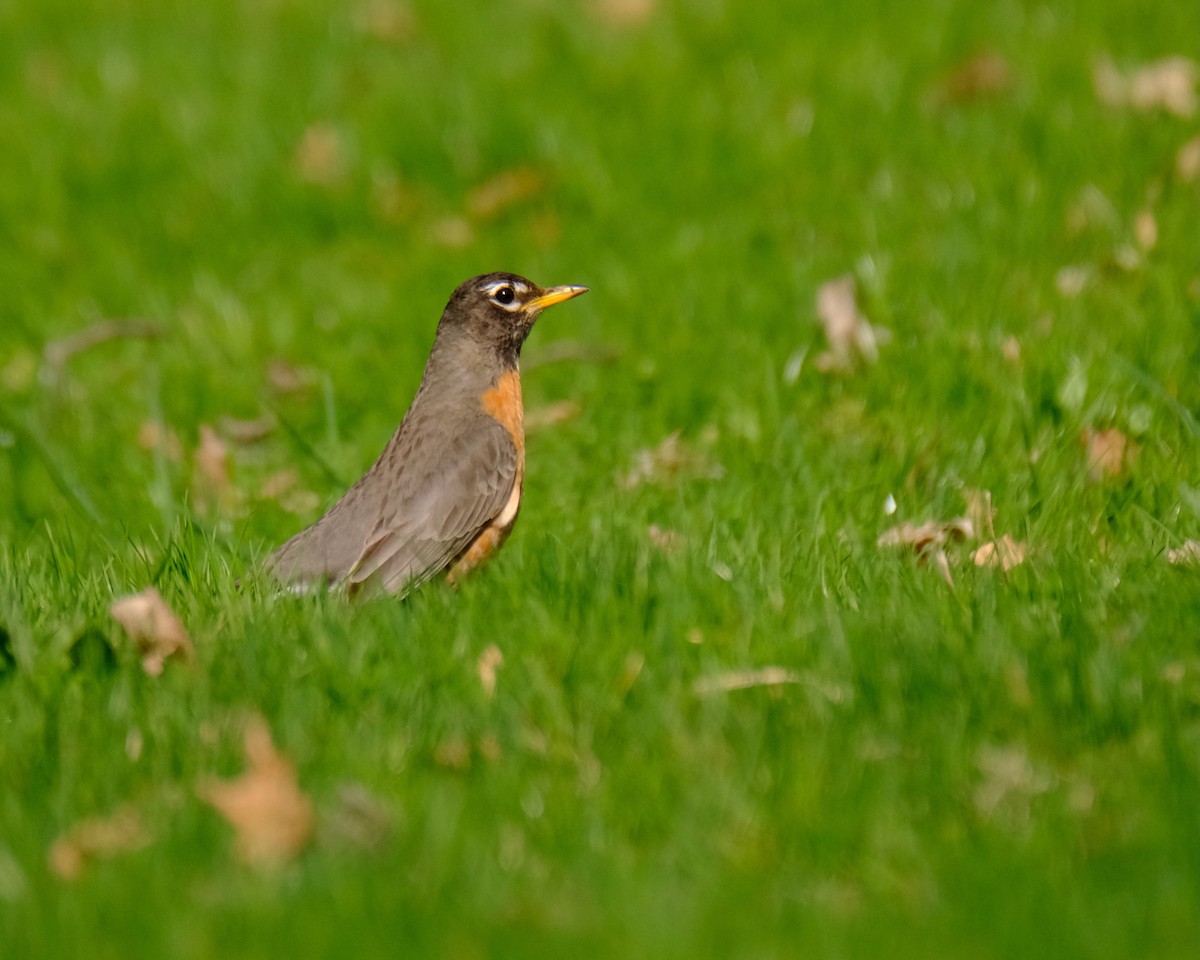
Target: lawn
(722, 693)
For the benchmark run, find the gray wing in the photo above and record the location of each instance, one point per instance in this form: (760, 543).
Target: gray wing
(440, 512)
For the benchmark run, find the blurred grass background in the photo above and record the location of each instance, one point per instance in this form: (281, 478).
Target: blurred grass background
(275, 199)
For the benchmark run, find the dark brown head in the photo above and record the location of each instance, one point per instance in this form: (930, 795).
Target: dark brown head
(500, 309)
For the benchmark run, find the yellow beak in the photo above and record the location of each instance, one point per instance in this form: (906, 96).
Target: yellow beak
(554, 295)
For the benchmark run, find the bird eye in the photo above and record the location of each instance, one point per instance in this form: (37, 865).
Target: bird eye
(505, 295)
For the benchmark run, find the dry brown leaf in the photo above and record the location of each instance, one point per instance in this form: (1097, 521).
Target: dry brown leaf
(539, 418)
(1168, 84)
(155, 437)
(851, 336)
(1009, 781)
(982, 75)
(491, 660)
(273, 818)
(673, 457)
(1072, 281)
(58, 353)
(1145, 228)
(744, 680)
(97, 838)
(1109, 452)
(385, 20)
(1011, 350)
(1186, 555)
(624, 13)
(153, 627)
(320, 156)
(285, 377)
(1004, 553)
(668, 541)
(213, 480)
(980, 511)
(1187, 161)
(503, 190)
(925, 536)
(246, 432)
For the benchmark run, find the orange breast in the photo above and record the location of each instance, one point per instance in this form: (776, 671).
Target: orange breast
(503, 404)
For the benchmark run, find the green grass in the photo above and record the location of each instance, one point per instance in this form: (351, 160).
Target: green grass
(1008, 767)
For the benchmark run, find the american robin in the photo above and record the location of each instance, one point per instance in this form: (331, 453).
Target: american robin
(446, 490)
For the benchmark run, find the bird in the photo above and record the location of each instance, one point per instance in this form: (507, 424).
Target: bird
(445, 492)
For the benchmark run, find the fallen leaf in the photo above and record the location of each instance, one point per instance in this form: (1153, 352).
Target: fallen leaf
(624, 13)
(1145, 228)
(1187, 161)
(502, 191)
(153, 627)
(851, 336)
(539, 418)
(247, 431)
(1005, 553)
(928, 541)
(1109, 452)
(924, 536)
(672, 458)
(94, 839)
(1009, 782)
(1168, 84)
(980, 511)
(491, 660)
(272, 817)
(320, 156)
(360, 819)
(285, 377)
(984, 74)
(1011, 350)
(668, 541)
(744, 680)
(1072, 281)
(385, 20)
(58, 353)
(212, 458)
(156, 438)
(1187, 555)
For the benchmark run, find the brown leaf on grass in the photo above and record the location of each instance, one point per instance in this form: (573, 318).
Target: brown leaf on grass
(97, 838)
(1072, 281)
(983, 75)
(672, 458)
(454, 753)
(504, 190)
(1145, 229)
(156, 437)
(1004, 553)
(154, 628)
(272, 817)
(213, 478)
(284, 488)
(539, 418)
(284, 376)
(320, 156)
(1011, 350)
(624, 13)
(745, 680)
(1187, 555)
(246, 432)
(980, 512)
(851, 336)
(1109, 452)
(1009, 781)
(491, 660)
(928, 541)
(1187, 161)
(58, 353)
(386, 20)
(668, 541)
(1168, 84)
